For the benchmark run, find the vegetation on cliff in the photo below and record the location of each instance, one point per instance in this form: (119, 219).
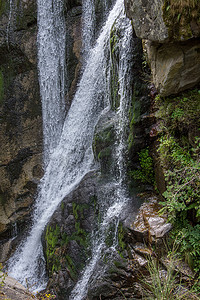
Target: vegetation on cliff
(182, 18)
(179, 153)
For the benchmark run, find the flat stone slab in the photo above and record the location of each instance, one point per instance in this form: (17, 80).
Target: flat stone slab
(13, 290)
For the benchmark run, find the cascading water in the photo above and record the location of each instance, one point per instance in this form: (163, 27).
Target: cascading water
(89, 20)
(51, 66)
(88, 31)
(119, 199)
(72, 158)
(11, 4)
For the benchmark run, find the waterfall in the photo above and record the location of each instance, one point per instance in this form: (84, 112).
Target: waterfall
(72, 158)
(88, 17)
(51, 66)
(119, 198)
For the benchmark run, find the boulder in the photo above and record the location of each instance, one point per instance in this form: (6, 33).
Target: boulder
(149, 226)
(12, 289)
(149, 223)
(170, 30)
(147, 18)
(162, 21)
(175, 67)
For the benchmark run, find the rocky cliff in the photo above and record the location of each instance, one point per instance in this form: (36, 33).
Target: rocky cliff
(170, 31)
(166, 63)
(21, 122)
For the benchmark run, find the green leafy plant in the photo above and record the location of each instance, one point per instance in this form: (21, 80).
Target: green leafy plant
(146, 173)
(183, 180)
(188, 239)
(182, 198)
(179, 154)
(2, 276)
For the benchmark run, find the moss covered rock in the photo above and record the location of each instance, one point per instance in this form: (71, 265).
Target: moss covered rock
(67, 237)
(182, 19)
(164, 20)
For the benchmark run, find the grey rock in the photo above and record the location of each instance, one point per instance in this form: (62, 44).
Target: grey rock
(175, 67)
(147, 18)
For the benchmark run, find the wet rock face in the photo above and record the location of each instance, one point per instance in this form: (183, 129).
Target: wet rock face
(73, 48)
(68, 233)
(67, 238)
(103, 141)
(21, 122)
(120, 271)
(125, 271)
(72, 3)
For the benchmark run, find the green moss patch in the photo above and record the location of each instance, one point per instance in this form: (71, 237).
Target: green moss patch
(179, 15)
(58, 244)
(3, 6)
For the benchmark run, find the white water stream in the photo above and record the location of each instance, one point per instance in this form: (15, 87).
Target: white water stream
(51, 65)
(118, 201)
(88, 31)
(68, 153)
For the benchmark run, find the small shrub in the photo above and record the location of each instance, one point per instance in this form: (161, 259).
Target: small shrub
(183, 180)
(146, 173)
(179, 152)
(165, 284)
